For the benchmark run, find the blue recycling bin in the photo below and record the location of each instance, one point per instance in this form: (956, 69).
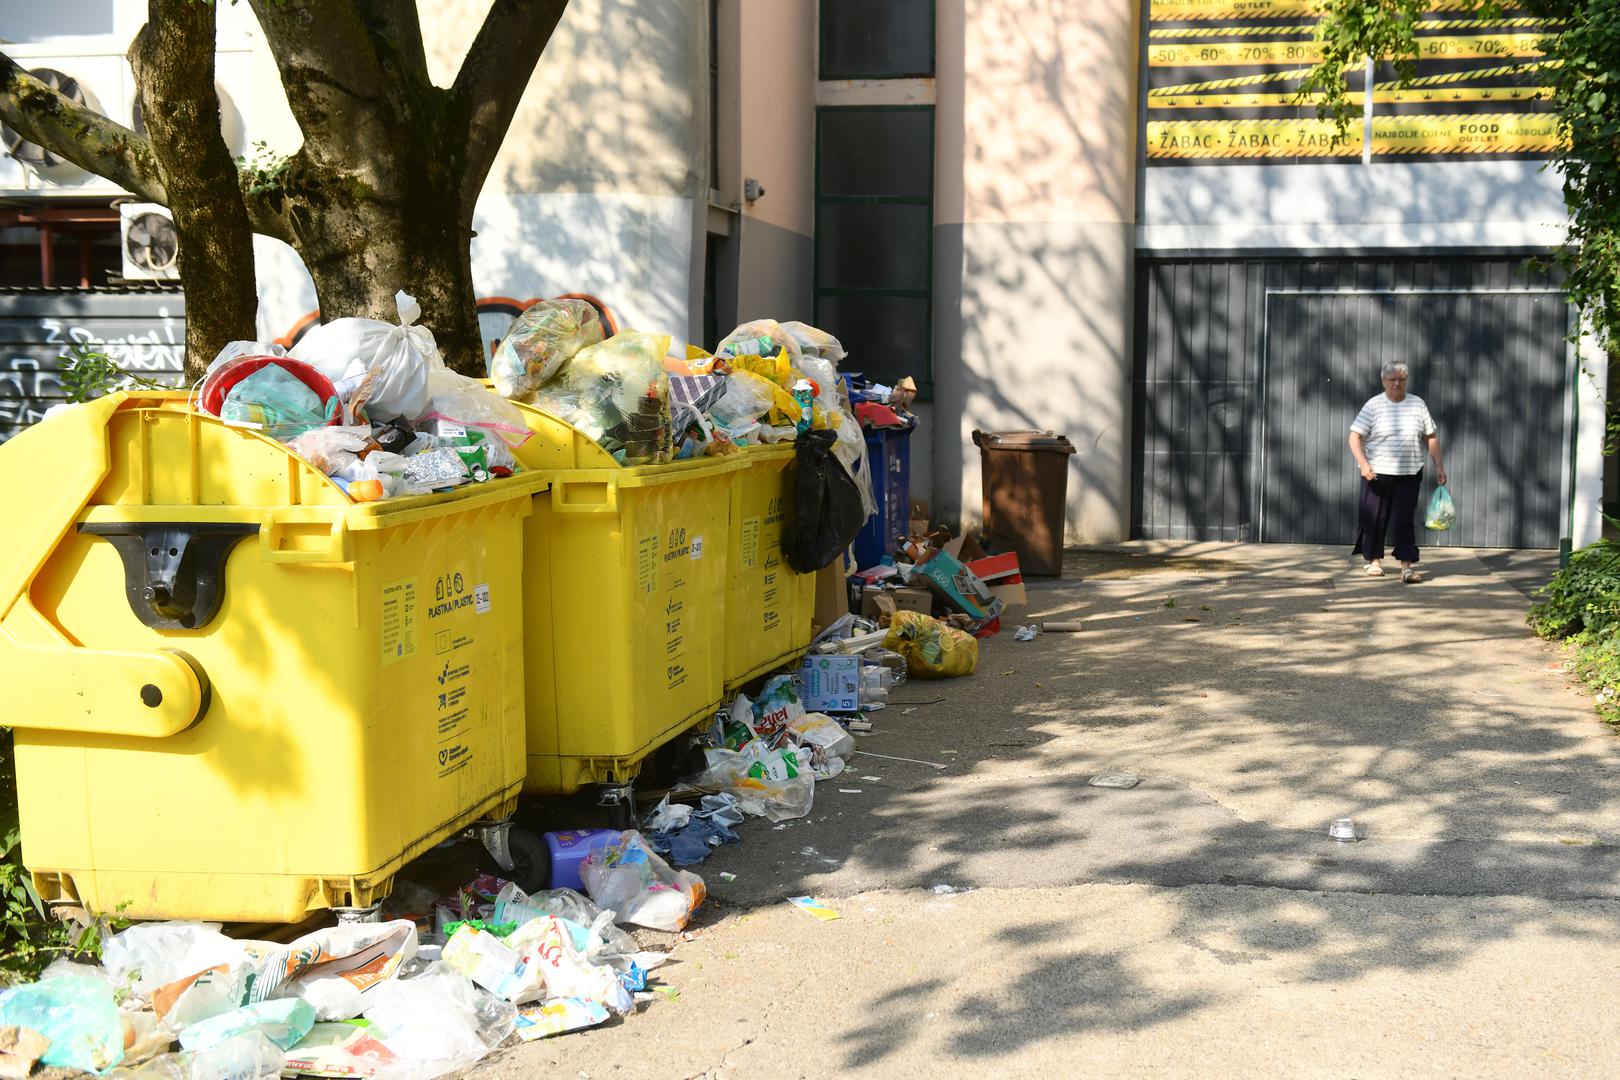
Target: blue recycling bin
(889, 450)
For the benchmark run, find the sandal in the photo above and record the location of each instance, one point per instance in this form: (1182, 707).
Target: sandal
(1410, 576)
(1374, 569)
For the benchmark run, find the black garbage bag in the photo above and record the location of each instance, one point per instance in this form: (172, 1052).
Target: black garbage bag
(827, 510)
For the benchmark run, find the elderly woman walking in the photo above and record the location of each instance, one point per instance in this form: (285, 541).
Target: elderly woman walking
(1387, 440)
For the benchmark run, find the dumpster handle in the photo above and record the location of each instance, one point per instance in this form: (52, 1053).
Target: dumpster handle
(286, 539)
(174, 571)
(607, 503)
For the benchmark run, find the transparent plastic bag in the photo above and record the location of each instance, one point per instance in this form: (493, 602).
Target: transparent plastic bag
(617, 392)
(540, 340)
(747, 398)
(815, 343)
(1442, 512)
(283, 1022)
(155, 954)
(434, 1024)
(249, 1056)
(761, 337)
(76, 1014)
(765, 783)
(456, 402)
(331, 449)
(345, 350)
(275, 400)
(628, 877)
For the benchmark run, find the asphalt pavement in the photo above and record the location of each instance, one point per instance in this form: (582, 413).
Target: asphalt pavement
(1001, 914)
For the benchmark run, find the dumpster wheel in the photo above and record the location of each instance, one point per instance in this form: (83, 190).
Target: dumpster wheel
(531, 861)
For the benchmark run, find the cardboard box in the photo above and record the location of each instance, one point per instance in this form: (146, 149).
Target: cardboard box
(959, 586)
(832, 596)
(830, 683)
(1002, 576)
(909, 598)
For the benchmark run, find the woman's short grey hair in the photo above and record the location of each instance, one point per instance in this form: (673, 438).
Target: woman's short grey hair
(1393, 367)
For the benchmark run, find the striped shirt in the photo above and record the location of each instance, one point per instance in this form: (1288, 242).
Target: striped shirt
(1393, 434)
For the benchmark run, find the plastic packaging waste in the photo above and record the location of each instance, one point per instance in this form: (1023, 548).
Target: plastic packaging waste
(337, 968)
(825, 736)
(761, 337)
(617, 392)
(76, 1014)
(236, 349)
(249, 1056)
(1442, 512)
(150, 955)
(932, 649)
(777, 708)
(594, 932)
(552, 958)
(540, 340)
(283, 1022)
(277, 401)
(331, 449)
(344, 350)
(436, 1023)
(767, 784)
(628, 877)
(814, 343)
(463, 403)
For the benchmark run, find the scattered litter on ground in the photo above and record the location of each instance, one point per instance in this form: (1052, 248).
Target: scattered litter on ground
(1115, 780)
(727, 876)
(850, 791)
(1027, 633)
(1344, 830)
(912, 761)
(811, 906)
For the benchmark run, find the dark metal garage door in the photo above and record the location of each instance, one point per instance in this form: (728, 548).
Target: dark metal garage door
(1249, 373)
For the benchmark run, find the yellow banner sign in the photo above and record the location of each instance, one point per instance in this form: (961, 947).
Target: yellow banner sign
(1447, 96)
(1254, 9)
(1466, 133)
(1251, 139)
(1228, 53)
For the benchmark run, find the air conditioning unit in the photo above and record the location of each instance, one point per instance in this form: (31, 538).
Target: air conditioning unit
(150, 243)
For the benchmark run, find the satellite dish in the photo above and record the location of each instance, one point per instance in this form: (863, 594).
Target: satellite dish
(152, 243)
(50, 165)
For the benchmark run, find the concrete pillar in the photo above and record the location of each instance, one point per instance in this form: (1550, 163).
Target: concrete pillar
(1033, 249)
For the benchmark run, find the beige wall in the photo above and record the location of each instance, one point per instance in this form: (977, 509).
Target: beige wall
(777, 71)
(615, 104)
(1035, 159)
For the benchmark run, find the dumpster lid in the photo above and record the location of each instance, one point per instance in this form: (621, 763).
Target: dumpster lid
(1024, 440)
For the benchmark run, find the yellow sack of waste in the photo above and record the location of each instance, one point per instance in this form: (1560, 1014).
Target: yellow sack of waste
(932, 649)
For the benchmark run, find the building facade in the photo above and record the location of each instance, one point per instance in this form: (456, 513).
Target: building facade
(1108, 218)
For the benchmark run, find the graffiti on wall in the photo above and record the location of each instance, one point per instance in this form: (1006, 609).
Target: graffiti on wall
(141, 333)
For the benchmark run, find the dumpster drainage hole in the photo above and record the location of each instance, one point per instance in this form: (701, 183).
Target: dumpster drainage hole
(154, 551)
(152, 696)
(173, 552)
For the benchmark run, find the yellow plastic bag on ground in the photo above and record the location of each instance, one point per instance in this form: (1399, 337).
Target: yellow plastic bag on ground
(932, 649)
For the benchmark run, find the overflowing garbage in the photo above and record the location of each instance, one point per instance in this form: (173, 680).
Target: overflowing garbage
(443, 980)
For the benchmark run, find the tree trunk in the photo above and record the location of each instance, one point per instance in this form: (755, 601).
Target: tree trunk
(173, 61)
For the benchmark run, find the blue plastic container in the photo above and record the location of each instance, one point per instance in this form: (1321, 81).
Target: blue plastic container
(569, 849)
(890, 452)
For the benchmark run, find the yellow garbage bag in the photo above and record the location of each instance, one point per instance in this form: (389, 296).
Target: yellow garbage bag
(932, 649)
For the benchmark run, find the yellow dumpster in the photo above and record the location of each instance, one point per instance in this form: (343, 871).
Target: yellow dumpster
(769, 606)
(236, 694)
(625, 604)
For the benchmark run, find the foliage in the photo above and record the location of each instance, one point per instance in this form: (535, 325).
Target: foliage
(1582, 67)
(263, 170)
(87, 373)
(1581, 605)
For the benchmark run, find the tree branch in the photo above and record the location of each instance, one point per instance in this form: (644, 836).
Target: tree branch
(79, 134)
(344, 102)
(397, 30)
(493, 78)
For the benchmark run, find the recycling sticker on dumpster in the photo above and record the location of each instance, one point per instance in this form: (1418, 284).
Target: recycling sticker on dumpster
(398, 620)
(750, 543)
(481, 598)
(647, 564)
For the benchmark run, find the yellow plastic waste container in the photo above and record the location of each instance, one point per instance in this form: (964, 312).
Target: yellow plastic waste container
(236, 694)
(769, 606)
(625, 602)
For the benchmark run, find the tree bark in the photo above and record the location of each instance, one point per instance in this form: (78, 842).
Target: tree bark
(173, 60)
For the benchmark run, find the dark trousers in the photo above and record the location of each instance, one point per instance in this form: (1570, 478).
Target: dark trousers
(1386, 501)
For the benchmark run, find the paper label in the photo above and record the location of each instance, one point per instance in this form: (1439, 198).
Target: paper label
(481, 598)
(697, 547)
(398, 621)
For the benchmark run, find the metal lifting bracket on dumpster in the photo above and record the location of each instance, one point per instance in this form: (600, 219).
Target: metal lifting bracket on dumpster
(173, 571)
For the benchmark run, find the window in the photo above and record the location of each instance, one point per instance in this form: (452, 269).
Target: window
(877, 39)
(874, 236)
